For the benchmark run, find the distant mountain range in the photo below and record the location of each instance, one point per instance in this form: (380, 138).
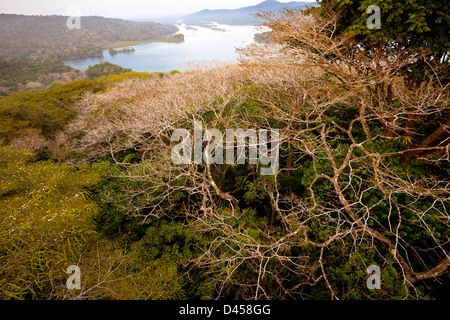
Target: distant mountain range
(241, 16)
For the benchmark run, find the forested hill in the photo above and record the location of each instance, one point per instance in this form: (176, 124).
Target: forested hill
(32, 47)
(242, 16)
(48, 37)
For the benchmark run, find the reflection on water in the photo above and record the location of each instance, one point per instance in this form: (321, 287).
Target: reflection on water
(216, 43)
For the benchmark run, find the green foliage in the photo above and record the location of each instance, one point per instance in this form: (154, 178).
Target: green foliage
(54, 85)
(14, 72)
(104, 68)
(48, 111)
(410, 24)
(351, 275)
(413, 22)
(113, 51)
(46, 212)
(44, 217)
(112, 220)
(168, 246)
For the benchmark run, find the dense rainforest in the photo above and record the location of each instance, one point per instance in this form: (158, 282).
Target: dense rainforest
(88, 176)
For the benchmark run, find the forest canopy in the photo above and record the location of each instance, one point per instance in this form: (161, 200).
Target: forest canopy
(48, 37)
(362, 178)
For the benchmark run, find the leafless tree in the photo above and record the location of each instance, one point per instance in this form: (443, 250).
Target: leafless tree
(348, 119)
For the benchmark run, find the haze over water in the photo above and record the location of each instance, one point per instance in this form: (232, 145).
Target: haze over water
(201, 44)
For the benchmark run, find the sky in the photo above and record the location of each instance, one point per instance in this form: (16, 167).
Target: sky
(121, 8)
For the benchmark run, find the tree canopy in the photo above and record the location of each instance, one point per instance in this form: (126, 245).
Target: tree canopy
(414, 26)
(362, 175)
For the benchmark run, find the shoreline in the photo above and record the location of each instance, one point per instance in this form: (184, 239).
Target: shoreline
(121, 44)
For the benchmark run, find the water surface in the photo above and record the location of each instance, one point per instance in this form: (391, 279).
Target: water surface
(201, 44)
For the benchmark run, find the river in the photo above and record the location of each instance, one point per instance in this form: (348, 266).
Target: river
(201, 44)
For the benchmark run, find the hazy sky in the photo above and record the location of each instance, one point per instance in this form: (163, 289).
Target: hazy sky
(117, 8)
